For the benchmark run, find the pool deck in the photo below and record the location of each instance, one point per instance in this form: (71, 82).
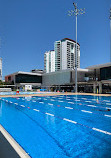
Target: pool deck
(53, 94)
(9, 148)
(6, 149)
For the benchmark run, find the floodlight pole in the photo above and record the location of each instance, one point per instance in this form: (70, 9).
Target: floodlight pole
(110, 34)
(76, 12)
(76, 89)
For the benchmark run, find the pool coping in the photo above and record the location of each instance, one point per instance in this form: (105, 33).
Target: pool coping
(20, 151)
(53, 94)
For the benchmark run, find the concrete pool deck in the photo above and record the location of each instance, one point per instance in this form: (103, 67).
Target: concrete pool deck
(6, 149)
(53, 94)
(9, 148)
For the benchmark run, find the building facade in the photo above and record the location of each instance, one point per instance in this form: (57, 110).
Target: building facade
(49, 61)
(65, 54)
(63, 77)
(21, 79)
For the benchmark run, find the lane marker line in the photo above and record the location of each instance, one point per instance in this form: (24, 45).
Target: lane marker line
(108, 108)
(60, 101)
(69, 120)
(106, 100)
(50, 104)
(88, 101)
(92, 105)
(108, 103)
(96, 129)
(22, 105)
(107, 115)
(36, 110)
(70, 102)
(16, 103)
(86, 111)
(68, 108)
(49, 114)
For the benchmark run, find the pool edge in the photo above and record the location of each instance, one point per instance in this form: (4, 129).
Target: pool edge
(53, 94)
(20, 151)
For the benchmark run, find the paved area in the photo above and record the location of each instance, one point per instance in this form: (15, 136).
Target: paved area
(53, 94)
(6, 150)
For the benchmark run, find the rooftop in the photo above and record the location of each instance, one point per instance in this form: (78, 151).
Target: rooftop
(99, 66)
(25, 73)
(69, 40)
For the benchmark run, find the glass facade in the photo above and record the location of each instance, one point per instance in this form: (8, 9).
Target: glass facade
(105, 73)
(22, 78)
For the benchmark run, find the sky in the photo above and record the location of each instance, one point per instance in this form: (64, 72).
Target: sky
(29, 28)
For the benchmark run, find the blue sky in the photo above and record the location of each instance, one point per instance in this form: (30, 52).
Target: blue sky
(28, 28)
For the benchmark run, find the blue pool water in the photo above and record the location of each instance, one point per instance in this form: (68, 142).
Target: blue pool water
(59, 126)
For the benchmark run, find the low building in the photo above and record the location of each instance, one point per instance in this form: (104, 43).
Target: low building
(93, 79)
(21, 79)
(102, 77)
(65, 79)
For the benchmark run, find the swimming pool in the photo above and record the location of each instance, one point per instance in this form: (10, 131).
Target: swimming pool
(59, 126)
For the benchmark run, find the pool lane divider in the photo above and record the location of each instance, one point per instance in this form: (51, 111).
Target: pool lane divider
(83, 105)
(74, 122)
(20, 151)
(90, 112)
(71, 121)
(67, 107)
(78, 109)
(90, 100)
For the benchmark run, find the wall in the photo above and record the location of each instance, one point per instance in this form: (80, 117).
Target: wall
(57, 78)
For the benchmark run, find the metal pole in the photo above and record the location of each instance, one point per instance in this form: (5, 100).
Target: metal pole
(110, 40)
(76, 57)
(110, 34)
(76, 12)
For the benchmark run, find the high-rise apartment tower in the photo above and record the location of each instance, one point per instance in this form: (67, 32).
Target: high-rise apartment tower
(63, 57)
(65, 54)
(49, 61)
